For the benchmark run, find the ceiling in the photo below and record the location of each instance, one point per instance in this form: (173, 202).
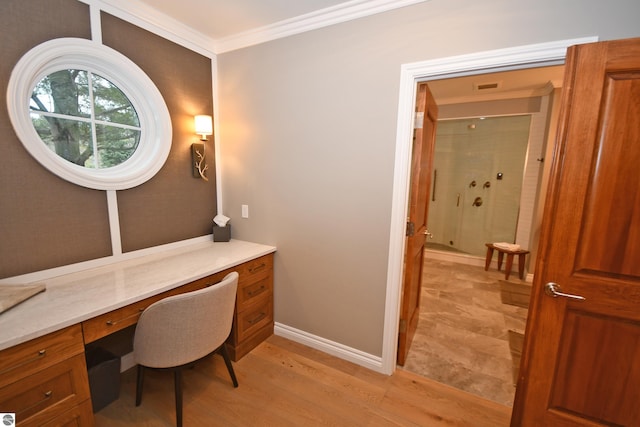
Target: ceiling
(220, 19)
(508, 84)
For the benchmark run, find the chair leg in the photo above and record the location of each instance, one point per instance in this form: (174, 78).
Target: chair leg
(139, 382)
(227, 361)
(178, 386)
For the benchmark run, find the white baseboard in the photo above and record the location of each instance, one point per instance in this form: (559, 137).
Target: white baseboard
(333, 348)
(341, 351)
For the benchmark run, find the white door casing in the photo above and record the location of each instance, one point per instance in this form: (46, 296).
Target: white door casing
(529, 56)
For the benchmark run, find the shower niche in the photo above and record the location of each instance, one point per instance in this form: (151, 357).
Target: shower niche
(478, 172)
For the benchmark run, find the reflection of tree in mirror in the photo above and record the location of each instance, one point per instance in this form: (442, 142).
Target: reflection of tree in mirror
(85, 119)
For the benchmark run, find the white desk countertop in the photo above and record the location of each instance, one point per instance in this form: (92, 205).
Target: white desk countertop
(73, 298)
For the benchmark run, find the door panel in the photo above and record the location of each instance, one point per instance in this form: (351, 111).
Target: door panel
(421, 163)
(614, 185)
(581, 359)
(587, 334)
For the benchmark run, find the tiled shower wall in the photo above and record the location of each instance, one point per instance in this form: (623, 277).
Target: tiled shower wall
(469, 150)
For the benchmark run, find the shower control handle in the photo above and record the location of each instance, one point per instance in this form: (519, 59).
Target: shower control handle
(553, 290)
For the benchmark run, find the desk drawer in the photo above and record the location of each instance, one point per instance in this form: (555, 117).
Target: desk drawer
(80, 416)
(116, 320)
(254, 318)
(38, 398)
(113, 321)
(255, 270)
(250, 292)
(27, 358)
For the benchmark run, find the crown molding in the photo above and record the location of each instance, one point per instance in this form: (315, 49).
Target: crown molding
(311, 21)
(151, 19)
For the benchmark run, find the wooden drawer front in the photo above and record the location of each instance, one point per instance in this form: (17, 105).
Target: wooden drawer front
(48, 393)
(250, 292)
(253, 319)
(25, 359)
(80, 416)
(113, 321)
(257, 269)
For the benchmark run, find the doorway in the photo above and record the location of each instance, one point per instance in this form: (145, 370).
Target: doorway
(546, 54)
(462, 338)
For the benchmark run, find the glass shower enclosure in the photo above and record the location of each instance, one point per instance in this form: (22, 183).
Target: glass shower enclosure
(477, 181)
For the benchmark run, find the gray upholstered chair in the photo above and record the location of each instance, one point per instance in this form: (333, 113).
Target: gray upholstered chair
(177, 331)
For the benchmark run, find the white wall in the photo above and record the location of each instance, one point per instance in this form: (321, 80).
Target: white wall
(307, 139)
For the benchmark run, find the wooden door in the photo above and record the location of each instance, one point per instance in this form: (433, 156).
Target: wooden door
(421, 162)
(581, 358)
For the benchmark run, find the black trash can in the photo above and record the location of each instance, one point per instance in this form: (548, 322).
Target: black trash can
(104, 377)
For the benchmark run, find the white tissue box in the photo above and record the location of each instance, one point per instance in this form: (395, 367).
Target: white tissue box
(221, 234)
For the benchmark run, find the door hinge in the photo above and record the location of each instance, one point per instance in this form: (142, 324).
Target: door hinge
(403, 326)
(410, 228)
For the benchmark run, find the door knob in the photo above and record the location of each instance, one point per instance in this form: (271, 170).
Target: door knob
(429, 235)
(553, 290)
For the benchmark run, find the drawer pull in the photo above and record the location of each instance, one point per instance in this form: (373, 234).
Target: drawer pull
(252, 293)
(115, 322)
(47, 395)
(257, 268)
(258, 318)
(41, 353)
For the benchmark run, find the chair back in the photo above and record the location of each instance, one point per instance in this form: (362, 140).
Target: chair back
(183, 328)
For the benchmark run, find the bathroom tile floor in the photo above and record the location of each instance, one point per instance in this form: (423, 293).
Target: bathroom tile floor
(462, 338)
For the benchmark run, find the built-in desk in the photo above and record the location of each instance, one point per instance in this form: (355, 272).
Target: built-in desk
(42, 339)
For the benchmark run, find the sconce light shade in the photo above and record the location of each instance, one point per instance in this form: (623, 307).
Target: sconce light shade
(204, 126)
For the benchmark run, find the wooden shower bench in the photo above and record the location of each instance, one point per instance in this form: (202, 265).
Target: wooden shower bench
(522, 253)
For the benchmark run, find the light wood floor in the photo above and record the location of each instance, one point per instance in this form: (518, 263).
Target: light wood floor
(283, 383)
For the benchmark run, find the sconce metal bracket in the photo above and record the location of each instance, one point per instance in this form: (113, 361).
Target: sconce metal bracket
(198, 160)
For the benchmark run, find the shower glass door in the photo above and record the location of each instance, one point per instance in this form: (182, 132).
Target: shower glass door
(478, 170)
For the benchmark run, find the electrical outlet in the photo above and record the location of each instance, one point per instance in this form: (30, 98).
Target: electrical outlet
(245, 211)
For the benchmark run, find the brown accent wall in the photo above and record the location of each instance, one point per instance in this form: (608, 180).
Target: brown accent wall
(44, 221)
(47, 222)
(173, 205)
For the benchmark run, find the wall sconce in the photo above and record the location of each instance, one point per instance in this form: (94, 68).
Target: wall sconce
(204, 127)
